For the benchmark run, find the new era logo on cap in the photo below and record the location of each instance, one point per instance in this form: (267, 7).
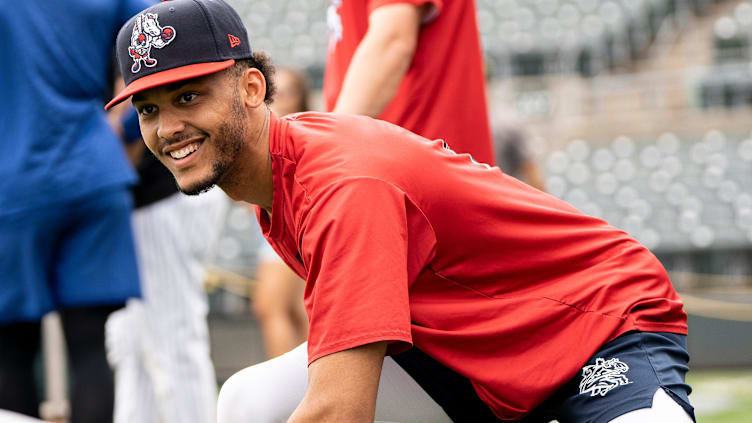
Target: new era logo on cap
(177, 40)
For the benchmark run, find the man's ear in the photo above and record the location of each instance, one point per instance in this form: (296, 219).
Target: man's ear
(253, 85)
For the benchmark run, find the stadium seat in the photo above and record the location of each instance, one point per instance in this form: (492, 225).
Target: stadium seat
(520, 37)
(671, 194)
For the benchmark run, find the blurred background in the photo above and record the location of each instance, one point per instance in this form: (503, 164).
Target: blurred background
(635, 111)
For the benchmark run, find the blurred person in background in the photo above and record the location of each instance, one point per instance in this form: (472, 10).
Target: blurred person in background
(278, 295)
(293, 91)
(65, 204)
(415, 63)
(159, 345)
(514, 156)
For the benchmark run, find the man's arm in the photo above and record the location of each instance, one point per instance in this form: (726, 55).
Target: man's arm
(381, 59)
(342, 387)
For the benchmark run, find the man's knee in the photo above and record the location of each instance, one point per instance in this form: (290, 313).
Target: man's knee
(267, 392)
(249, 395)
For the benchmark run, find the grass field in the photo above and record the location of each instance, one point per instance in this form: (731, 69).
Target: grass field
(722, 396)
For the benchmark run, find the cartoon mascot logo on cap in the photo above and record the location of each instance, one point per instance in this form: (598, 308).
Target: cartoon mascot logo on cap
(147, 33)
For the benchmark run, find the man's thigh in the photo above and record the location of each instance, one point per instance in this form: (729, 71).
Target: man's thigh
(625, 375)
(663, 409)
(266, 392)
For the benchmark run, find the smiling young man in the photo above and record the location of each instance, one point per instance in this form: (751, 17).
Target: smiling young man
(492, 300)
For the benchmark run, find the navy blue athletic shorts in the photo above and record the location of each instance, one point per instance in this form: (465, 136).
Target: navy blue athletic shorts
(621, 377)
(74, 253)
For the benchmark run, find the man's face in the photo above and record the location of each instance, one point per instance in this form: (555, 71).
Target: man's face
(196, 128)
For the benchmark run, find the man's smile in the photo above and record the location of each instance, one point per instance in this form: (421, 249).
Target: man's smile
(179, 154)
(183, 153)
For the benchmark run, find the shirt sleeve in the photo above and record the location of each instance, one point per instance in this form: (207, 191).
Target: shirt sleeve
(363, 245)
(432, 14)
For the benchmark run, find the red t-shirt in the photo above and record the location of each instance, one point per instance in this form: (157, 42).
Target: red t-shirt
(443, 93)
(402, 240)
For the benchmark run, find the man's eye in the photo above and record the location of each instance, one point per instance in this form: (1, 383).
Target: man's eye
(146, 110)
(187, 97)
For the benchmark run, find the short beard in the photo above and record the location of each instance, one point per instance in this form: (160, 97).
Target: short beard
(228, 143)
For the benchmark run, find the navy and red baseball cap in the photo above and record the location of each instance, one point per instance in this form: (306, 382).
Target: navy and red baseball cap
(177, 40)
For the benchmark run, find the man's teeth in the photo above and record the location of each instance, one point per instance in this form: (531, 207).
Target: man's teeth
(179, 154)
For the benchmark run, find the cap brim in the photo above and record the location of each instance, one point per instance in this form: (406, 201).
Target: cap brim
(169, 76)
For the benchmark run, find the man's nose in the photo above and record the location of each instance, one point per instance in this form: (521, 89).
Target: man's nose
(170, 125)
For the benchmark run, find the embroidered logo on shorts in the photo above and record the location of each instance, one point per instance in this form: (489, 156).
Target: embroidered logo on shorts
(603, 376)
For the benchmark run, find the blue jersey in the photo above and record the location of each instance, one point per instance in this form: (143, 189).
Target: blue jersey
(56, 74)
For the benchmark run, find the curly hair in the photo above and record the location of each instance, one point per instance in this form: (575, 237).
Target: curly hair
(263, 63)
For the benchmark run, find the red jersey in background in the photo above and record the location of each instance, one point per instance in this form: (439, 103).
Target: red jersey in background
(443, 94)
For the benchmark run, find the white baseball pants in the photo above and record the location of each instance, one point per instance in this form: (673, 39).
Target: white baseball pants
(159, 345)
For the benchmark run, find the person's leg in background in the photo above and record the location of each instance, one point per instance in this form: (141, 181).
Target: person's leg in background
(278, 304)
(28, 250)
(177, 306)
(173, 238)
(96, 272)
(19, 345)
(126, 332)
(92, 386)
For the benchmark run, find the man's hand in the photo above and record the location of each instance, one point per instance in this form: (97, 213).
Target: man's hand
(381, 59)
(342, 387)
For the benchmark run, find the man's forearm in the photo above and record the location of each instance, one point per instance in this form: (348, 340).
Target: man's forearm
(342, 386)
(330, 412)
